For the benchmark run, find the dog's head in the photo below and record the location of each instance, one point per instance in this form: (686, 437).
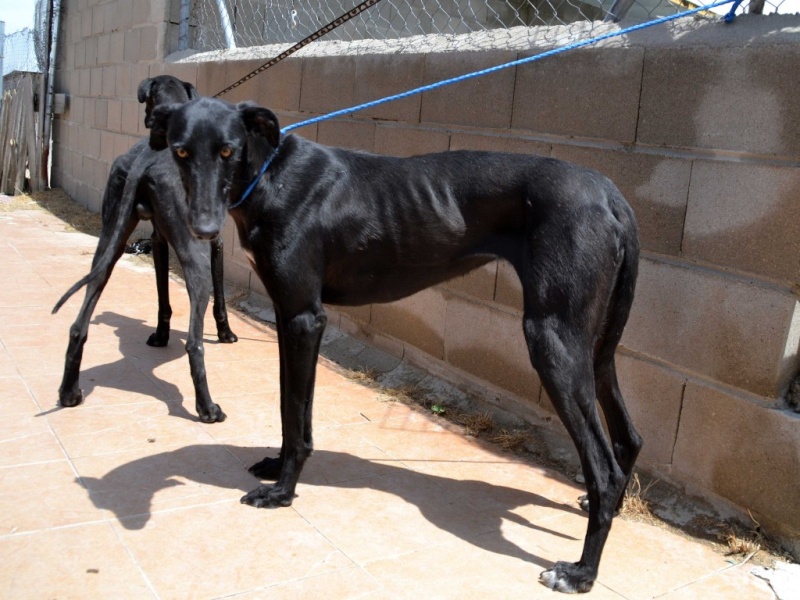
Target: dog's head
(163, 89)
(218, 147)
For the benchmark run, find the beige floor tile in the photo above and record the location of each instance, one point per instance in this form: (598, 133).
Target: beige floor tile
(343, 584)
(484, 568)
(26, 439)
(228, 548)
(41, 496)
(733, 582)
(86, 561)
(94, 430)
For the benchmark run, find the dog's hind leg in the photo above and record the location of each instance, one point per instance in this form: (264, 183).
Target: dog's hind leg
(160, 337)
(69, 392)
(299, 339)
(224, 333)
(562, 356)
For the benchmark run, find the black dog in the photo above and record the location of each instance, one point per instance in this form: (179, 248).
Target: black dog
(325, 225)
(145, 185)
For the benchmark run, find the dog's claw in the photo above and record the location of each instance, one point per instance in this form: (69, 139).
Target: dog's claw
(269, 468)
(226, 336)
(158, 340)
(267, 496)
(71, 399)
(583, 502)
(567, 578)
(214, 414)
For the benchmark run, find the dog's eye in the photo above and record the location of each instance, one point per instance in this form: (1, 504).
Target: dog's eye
(181, 152)
(225, 152)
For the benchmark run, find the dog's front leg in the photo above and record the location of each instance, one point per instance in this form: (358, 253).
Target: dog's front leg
(224, 333)
(299, 338)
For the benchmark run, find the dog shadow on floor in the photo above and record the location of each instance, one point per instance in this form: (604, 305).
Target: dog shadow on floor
(135, 371)
(129, 491)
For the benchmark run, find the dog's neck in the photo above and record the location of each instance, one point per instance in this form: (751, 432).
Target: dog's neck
(252, 185)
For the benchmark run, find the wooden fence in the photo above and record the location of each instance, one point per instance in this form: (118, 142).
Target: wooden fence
(20, 146)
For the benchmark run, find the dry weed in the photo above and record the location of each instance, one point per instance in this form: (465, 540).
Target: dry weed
(513, 441)
(476, 423)
(635, 505)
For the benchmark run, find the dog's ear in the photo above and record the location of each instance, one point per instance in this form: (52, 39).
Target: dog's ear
(160, 126)
(260, 121)
(191, 91)
(145, 89)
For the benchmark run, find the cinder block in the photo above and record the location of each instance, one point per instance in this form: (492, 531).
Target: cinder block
(98, 19)
(278, 88)
(80, 54)
(743, 451)
(347, 133)
(109, 83)
(141, 12)
(481, 102)
(489, 344)
(235, 272)
(124, 13)
(114, 122)
(718, 326)
(587, 93)
(91, 52)
(100, 113)
(96, 82)
(360, 314)
(131, 117)
(745, 216)
(408, 141)
(117, 47)
(211, 77)
(379, 76)
(508, 290)
(479, 282)
(103, 49)
(133, 45)
(737, 99)
(183, 71)
(653, 396)
(418, 320)
(497, 143)
(110, 17)
(655, 186)
(149, 43)
(86, 23)
(327, 84)
(234, 71)
(92, 137)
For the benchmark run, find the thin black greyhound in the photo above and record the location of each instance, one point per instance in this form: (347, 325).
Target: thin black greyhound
(145, 185)
(326, 225)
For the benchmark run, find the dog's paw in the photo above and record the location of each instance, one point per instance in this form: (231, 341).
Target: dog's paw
(269, 468)
(73, 398)
(268, 496)
(567, 578)
(158, 339)
(226, 336)
(210, 414)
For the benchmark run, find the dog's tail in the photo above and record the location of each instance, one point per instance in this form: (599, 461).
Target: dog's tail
(116, 215)
(621, 299)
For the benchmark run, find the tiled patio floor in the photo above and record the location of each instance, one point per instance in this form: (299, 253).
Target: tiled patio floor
(130, 496)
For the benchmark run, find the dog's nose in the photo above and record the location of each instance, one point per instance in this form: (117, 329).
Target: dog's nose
(205, 231)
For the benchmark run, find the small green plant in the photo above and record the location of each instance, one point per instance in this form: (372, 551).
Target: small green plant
(438, 409)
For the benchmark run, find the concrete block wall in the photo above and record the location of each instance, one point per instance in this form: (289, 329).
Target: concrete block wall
(699, 127)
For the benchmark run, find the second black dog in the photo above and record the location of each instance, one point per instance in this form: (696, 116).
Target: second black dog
(145, 185)
(326, 225)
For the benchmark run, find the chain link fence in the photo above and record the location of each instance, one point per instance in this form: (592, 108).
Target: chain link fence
(19, 52)
(226, 24)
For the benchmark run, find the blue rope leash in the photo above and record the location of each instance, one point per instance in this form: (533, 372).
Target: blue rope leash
(426, 88)
(514, 63)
